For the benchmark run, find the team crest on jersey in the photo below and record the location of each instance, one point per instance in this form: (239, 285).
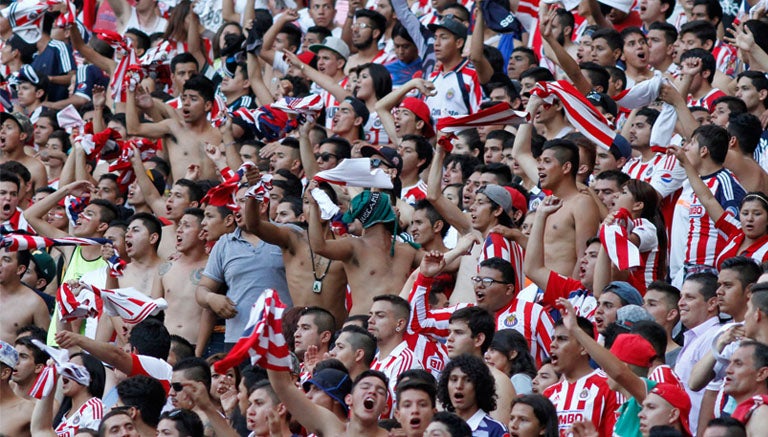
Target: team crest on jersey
(584, 394)
(510, 321)
(648, 171)
(377, 123)
(450, 94)
(76, 420)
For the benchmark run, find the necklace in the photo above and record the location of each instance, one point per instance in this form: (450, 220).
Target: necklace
(317, 286)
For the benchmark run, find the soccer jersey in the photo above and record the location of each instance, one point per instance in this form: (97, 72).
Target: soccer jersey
(725, 57)
(414, 193)
(374, 131)
(483, 425)
(17, 222)
(587, 398)
(55, 60)
(496, 246)
(86, 78)
(329, 102)
(559, 286)
(649, 268)
(398, 361)
(695, 240)
(707, 101)
(458, 91)
(731, 226)
(87, 416)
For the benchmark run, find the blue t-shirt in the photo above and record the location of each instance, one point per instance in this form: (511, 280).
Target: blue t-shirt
(402, 72)
(86, 77)
(55, 60)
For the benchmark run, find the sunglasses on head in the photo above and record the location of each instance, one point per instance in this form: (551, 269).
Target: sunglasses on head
(325, 156)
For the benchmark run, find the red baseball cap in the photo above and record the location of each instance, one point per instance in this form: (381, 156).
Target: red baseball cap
(518, 200)
(678, 398)
(633, 349)
(421, 110)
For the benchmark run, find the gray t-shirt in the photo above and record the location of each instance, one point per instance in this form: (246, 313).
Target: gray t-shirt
(246, 270)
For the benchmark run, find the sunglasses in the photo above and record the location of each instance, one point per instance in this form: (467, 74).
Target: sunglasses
(378, 162)
(325, 156)
(177, 386)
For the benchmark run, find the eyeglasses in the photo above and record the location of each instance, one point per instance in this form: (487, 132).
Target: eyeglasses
(487, 282)
(361, 26)
(177, 386)
(378, 162)
(325, 156)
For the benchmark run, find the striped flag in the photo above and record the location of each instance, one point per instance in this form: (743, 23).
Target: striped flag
(16, 242)
(129, 304)
(224, 193)
(26, 19)
(501, 113)
(262, 338)
(615, 239)
(46, 381)
(578, 110)
(260, 191)
(73, 307)
(309, 105)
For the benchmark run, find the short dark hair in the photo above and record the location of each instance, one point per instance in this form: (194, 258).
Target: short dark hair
(654, 333)
(539, 74)
(293, 34)
(650, 114)
(714, 10)
(108, 212)
(748, 269)
(202, 85)
(359, 338)
(611, 36)
(734, 427)
(501, 265)
(342, 148)
(181, 347)
(186, 422)
(617, 176)
(457, 427)
(735, 105)
(152, 223)
(142, 39)
(466, 162)
(759, 81)
(478, 373)
(584, 324)
(670, 292)
(715, 139)
(669, 30)
(369, 373)
(183, 58)
(423, 149)
(194, 191)
(544, 411)
(196, 369)
(401, 306)
(432, 215)
(565, 151)
(529, 53)
(38, 355)
(703, 31)
(707, 283)
(479, 321)
(597, 74)
(747, 129)
(145, 394)
(150, 337)
(321, 317)
(425, 387)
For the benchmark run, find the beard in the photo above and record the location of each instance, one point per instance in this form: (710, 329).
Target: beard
(365, 44)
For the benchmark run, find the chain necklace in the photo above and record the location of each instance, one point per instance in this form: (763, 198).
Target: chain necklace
(317, 286)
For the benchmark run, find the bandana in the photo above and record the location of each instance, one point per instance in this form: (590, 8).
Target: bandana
(370, 208)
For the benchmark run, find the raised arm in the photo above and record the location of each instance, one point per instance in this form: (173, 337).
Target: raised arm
(259, 88)
(566, 61)
(319, 78)
(42, 418)
(482, 66)
(444, 207)
(611, 365)
(340, 250)
(282, 236)
(92, 56)
(122, 10)
(385, 105)
(106, 352)
(533, 265)
(267, 52)
(216, 421)
(314, 418)
(707, 199)
(36, 212)
(308, 160)
(135, 127)
(521, 149)
(154, 199)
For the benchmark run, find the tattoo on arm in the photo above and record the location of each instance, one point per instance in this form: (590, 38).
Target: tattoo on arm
(196, 275)
(164, 267)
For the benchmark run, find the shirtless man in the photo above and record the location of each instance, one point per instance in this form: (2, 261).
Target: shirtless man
(179, 278)
(141, 242)
(19, 305)
(15, 411)
(313, 280)
(184, 137)
(15, 132)
(568, 229)
(369, 262)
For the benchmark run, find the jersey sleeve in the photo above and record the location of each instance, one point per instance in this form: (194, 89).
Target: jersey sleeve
(558, 286)
(646, 232)
(424, 320)
(668, 177)
(729, 224)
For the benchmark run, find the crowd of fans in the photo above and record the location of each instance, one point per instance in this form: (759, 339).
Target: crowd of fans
(474, 218)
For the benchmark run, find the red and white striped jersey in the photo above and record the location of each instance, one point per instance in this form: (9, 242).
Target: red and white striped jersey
(330, 103)
(87, 416)
(531, 320)
(432, 354)
(152, 367)
(649, 255)
(706, 101)
(375, 133)
(663, 172)
(582, 299)
(398, 361)
(458, 91)
(587, 398)
(725, 57)
(384, 57)
(17, 222)
(414, 193)
(495, 245)
(758, 250)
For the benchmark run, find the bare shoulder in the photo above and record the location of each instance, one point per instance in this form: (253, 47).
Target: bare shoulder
(164, 268)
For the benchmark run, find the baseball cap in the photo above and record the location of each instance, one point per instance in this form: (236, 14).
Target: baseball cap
(421, 111)
(500, 196)
(625, 291)
(45, 267)
(678, 398)
(27, 73)
(450, 24)
(519, 202)
(8, 355)
(20, 119)
(334, 44)
(633, 349)
(622, 5)
(498, 17)
(389, 154)
(334, 383)
(359, 106)
(621, 147)
(628, 315)
(158, 180)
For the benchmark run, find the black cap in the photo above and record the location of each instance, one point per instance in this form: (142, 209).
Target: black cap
(452, 25)
(359, 106)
